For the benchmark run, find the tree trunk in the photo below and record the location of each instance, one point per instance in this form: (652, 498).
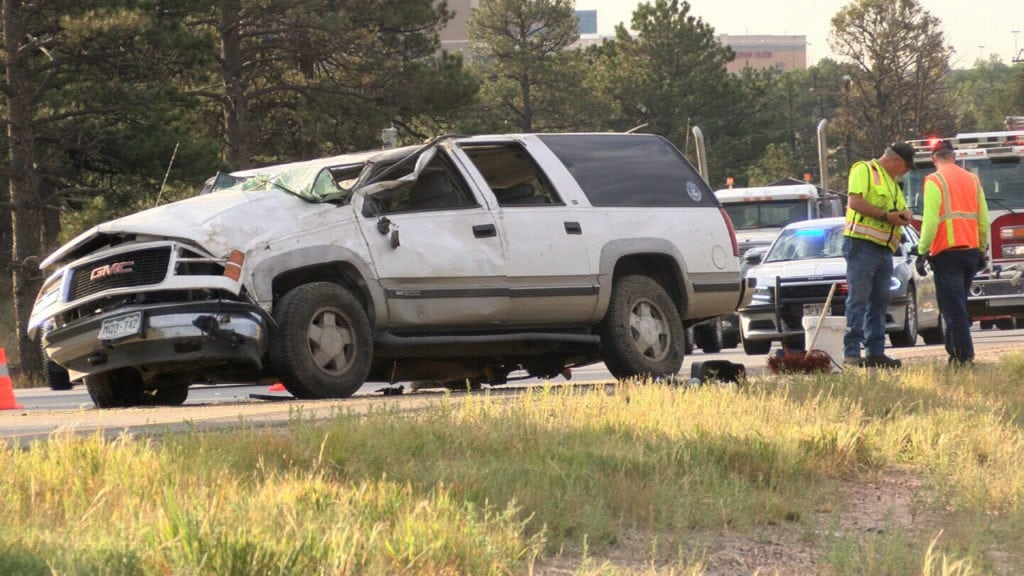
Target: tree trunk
(26, 221)
(236, 104)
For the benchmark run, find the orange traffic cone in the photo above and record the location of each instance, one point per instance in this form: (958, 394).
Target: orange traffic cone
(277, 387)
(7, 401)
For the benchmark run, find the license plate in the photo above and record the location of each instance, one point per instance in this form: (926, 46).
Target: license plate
(813, 310)
(120, 327)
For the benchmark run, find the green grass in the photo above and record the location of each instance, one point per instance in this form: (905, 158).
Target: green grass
(488, 485)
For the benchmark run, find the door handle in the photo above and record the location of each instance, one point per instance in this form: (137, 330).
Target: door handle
(573, 228)
(485, 231)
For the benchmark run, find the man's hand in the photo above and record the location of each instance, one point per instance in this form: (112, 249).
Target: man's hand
(899, 218)
(919, 265)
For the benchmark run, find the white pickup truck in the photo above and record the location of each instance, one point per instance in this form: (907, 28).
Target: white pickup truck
(457, 262)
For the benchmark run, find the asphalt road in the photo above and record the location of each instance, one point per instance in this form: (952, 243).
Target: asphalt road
(46, 411)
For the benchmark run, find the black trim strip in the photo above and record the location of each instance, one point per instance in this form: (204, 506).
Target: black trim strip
(704, 288)
(526, 292)
(553, 292)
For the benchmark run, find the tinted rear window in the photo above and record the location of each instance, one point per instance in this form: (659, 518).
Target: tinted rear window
(630, 170)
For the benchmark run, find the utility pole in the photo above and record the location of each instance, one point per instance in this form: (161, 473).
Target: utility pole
(1016, 54)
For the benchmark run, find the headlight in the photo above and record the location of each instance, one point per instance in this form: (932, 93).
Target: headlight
(1013, 251)
(895, 284)
(761, 294)
(49, 292)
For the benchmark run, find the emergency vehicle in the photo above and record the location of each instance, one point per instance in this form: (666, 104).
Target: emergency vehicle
(997, 294)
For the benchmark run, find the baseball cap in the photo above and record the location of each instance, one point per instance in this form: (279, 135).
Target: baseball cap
(904, 151)
(940, 145)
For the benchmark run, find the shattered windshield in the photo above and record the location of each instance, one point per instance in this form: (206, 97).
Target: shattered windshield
(311, 183)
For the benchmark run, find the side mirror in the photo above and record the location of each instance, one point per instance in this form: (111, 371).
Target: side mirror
(753, 257)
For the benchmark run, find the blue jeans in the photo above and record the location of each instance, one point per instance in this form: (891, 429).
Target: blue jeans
(868, 277)
(954, 270)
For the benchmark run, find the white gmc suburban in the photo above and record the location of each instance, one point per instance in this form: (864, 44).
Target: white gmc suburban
(457, 262)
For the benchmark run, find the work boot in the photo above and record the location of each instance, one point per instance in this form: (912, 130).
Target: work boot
(853, 362)
(882, 361)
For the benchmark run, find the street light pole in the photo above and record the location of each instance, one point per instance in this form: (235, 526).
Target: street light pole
(1016, 54)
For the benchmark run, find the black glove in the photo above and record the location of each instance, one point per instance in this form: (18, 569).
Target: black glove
(919, 265)
(982, 261)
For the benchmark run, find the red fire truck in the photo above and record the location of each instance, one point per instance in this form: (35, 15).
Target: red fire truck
(997, 294)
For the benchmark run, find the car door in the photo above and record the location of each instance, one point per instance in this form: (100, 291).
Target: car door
(550, 278)
(436, 251)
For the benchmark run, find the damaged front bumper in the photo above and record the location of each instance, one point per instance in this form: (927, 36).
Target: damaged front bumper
(164, 338)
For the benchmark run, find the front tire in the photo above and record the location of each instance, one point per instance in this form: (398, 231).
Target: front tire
(120, 388)
(323, 345)
(641, 334)
(756, 347)
(908, 336)
(709, 336)
(54, 375)
(935, 335)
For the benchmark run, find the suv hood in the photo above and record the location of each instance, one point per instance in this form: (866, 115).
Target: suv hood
(219, 222)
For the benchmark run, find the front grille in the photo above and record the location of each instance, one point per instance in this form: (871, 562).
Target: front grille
(148, 267)
(805, 292)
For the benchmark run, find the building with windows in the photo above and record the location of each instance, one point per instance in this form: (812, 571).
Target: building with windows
(758, 52)
(588, 21)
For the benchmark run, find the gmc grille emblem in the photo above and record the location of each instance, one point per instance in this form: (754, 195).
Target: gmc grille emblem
(111, 270)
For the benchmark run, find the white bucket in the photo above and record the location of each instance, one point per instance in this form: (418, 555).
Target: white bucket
(830, 337)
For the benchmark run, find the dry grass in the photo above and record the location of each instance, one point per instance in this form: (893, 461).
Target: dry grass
(634, 479)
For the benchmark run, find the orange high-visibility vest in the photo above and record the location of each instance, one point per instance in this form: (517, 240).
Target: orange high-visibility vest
(958, 213)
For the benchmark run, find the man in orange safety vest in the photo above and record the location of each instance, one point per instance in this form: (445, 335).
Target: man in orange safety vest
(954, 238)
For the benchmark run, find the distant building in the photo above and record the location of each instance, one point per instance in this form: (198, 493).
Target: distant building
(779, 52)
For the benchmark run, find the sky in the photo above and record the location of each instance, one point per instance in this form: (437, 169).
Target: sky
(975, 28)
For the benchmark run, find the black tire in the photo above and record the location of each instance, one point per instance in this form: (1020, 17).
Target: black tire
(908, 335)
(641, 334)
(1006, 324)
(756, 347)
(986, 324)
(54, 375)
(935, 335)
(171, 394)
(323, 345)
(709, 336)
(119, 388)
(688, 341)
(731, 335)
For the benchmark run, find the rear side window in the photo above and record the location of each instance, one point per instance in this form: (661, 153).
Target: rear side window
(630, 170)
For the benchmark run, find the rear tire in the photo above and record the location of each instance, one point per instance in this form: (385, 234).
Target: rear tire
(641, 334)
(323, 345)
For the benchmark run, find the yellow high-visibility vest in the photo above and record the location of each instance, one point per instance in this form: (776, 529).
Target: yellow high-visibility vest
(879, 189)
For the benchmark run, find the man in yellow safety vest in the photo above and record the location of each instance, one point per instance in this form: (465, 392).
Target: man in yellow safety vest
(875, 215)
(954, 237)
